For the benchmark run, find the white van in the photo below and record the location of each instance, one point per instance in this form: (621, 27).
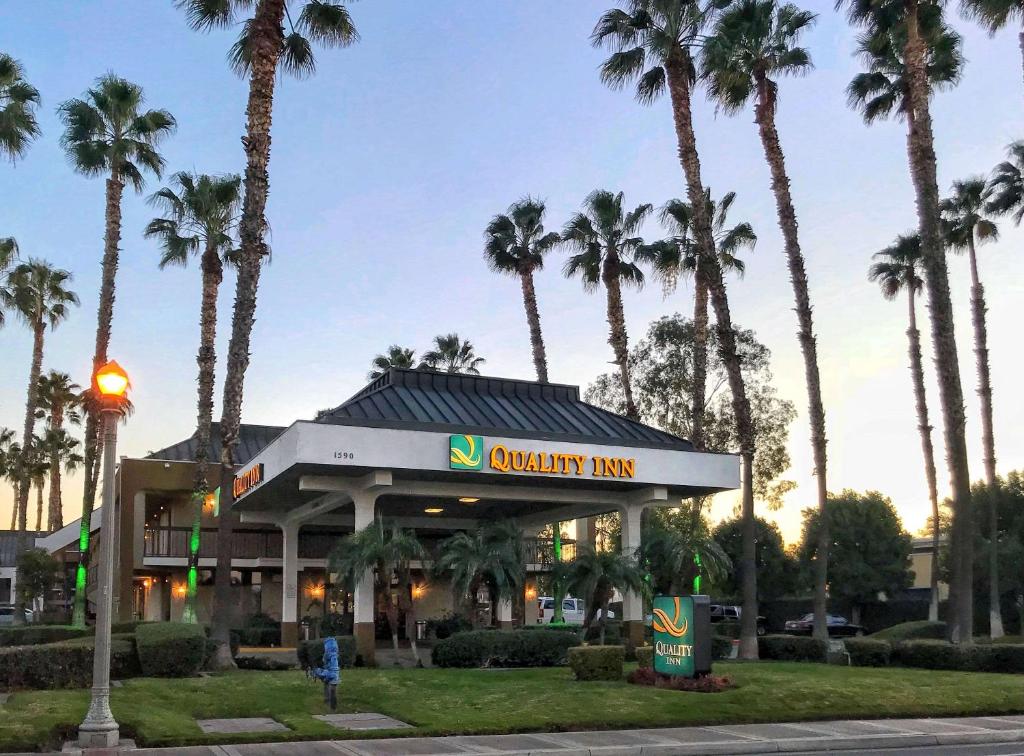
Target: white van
(574, 611)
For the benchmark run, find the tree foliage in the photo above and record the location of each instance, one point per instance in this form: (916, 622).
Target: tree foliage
(776, 568)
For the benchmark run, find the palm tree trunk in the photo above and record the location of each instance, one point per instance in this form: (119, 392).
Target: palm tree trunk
(266, 35)
(410, 616)
(111, 239)
(988, 443)
(617, 329)
(765, 116)
(921, 151)
(700, 358)
(925, 429)
(14, 508)
(39, 505)
(55, 517)
(540, 360)
(24, 484)
(679, 90)
(604, 619)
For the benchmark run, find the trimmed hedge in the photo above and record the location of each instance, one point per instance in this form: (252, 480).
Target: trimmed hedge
(118, 628)
(721, 647)
(262, 663)
(33, 635)
(62, 665)
(597, 662)
(933, 654)
(311, 653)
(920, 630)
(791, 648)
(171, 649)
(868, 652)
(505, 648)
(645, 656)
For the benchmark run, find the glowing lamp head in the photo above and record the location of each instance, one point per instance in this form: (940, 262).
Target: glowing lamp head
(112, 380)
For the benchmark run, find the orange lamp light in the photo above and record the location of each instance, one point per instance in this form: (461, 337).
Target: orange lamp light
(112, 380)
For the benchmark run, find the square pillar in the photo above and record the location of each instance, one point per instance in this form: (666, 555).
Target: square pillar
(290, 584)
(632, 602)
(505, 613)
(365, 503)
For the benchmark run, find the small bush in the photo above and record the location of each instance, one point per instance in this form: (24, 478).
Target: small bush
(171, 649)
(33, 635)
(791, 648)
(66, 664)
(447, 625)
(705, 684)
(260, 630)
(597, 662)
(311, 653)
(1004, 657)
(868, 652)
(612, 633)
(933, 654)
(920, 630)
(505, 648)
(721, 647)
(645, 656)
(120, 628)
(262, 663)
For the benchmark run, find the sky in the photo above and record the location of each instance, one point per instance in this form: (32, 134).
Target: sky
(389, 162)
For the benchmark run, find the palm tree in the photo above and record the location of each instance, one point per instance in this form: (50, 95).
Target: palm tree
(490, 557)
(261, 50)
(995, 14)
(8, 258)
(965, 225)
(38, 466)
(18, 103)
(59, 399)
(755, 42)
(913, 32)
(386, 552)
(676, 256)
(899, 267)
(606, 237)
(201, 213)
(396, 357)
(1006, 187)
(516, 245)
(452, 355)
(38, 293)
(674, 557)
(665, 34)
(106, 133)
(9, 452)
(596, 575)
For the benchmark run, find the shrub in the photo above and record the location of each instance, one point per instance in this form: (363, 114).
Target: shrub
(262, 663)
(311, 653)
(171, 649)
(920, 630)
(868, 652)
(260, 630)
(726, 629)
(612, 633)
(597, 662)
(66, 664)
(505, 648)
(33, 635)
(791, 648)
(721, 647)
(645, 656)
(933, 654)
(705, 684)
(1003, 657)
(120, 628)
(447, 625)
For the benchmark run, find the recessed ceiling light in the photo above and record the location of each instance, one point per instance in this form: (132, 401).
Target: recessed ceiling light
(433, 510)
(469, 499)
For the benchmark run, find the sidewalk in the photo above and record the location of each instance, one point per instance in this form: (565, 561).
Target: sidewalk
(859, 735)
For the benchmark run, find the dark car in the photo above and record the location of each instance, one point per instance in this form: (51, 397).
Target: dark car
(838, 626)
(731, 613)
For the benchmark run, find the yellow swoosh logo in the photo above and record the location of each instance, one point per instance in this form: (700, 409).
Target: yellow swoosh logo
(663, 624)
(470, 460)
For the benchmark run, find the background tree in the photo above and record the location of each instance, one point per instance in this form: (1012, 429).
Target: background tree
(37, 572)
(396, 357)
(9, 449)
(899, 268)
(263, 47)
(62, 451)
(677, 256)
(910, 30)
(965, 225)
(60, 402)
(776, 569)
(605, 235)
(450, 354)
(201, 214)
(108, 133)
(596, 575)
(995, 14)
(515, 244)
(18, 103)
(872, 551)
(1006, 187)
(664, 35)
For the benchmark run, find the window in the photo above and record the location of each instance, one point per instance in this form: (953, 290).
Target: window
(547, 603)
(569, 605)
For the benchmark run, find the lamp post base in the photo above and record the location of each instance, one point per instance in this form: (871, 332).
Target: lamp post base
(99, 729)
(97, 738)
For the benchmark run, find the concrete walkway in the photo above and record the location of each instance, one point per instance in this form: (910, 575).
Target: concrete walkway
(805, 737)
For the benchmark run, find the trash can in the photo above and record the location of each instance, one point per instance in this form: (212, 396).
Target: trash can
(421, 629)
(305, 630)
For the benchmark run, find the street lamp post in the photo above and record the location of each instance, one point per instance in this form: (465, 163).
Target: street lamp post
(99, 729)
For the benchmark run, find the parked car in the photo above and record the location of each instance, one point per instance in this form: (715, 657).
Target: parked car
(574, 611)
(7, 615)
(732, 613)
(838, 626)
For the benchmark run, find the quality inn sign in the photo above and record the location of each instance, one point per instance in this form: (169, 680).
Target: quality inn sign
(467, 453)
(682, 628)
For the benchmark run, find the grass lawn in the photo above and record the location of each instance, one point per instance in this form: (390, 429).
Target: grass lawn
(440, 701)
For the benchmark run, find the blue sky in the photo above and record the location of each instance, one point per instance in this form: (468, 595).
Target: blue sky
(388, 163)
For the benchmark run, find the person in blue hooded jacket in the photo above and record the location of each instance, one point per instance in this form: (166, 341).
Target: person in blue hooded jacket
(329, 673)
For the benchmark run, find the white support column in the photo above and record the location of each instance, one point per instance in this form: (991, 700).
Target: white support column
(365, 505)
(632, 604)
(505, 613)
(290, 583)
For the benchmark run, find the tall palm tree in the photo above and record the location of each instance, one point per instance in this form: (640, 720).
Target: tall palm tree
(899, 268)
(1006, 187)
(38, 467)
(664, 35)
(395, 357)
(995, 14)
(516, 245)
(59, 399)
(8, 258)
(596, 575)
(387, 552)
(38, 293)
(965, 225)
(452, 355)
(9, 451)
(107, 133)
(912, 33)
(200, 216)
(491, 557)
(755, 42)
(606, 236)
(677, 256)
(262, 49)
(18, 103)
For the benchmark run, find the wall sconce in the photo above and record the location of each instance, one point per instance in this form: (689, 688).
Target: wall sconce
(146, 583)
(531, 593)
(180, 590)
(315, 591)
(418, 591)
